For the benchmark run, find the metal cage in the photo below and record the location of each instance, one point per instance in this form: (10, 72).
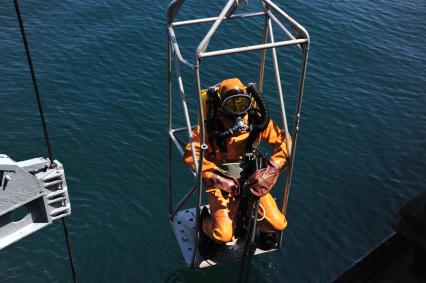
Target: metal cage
(185, 223)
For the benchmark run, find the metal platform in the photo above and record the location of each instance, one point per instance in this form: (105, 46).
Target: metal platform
(183, 225)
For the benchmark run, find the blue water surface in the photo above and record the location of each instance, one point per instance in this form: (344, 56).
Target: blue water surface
(101, 68)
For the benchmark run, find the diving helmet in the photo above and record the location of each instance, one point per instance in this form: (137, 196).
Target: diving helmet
(234, 98)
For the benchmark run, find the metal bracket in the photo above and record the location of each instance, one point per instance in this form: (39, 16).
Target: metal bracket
(32, 196)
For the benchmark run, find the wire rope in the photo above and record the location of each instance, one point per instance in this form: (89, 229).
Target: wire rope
(249, 248)
(43, 122)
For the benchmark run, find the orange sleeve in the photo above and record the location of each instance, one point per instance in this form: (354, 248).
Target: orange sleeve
(208, 166)
(275, 137)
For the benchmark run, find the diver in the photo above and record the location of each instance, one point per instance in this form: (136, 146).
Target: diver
(237, 121)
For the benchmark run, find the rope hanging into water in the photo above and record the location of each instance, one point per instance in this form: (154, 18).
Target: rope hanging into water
(43, 122)
(30, 64)
(249, 248)
(67, 237)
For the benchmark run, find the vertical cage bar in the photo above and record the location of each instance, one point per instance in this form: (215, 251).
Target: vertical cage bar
(280, 91)
(170, 124)
(203, 147)
(296, 122)
(305, 49)
(263, 56)
(185, 110)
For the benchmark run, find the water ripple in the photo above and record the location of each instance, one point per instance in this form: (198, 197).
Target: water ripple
(101, 67)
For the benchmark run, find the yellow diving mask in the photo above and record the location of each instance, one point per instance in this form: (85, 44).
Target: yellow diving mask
(237, 102)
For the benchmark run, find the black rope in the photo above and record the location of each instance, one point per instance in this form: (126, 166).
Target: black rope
(43, 122)
(33, 77)
(249, 248)
(67, 238)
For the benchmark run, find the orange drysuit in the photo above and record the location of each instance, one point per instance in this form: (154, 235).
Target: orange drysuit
(220, 226)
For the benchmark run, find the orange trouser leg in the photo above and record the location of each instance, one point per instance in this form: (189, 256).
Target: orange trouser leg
(220, 226)
(274, 220)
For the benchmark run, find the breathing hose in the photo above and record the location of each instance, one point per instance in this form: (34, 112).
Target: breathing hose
(263, 122)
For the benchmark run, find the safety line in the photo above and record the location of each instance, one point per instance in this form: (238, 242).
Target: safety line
(33, 77)
(67, 238)
(43, 122)
(249, 248)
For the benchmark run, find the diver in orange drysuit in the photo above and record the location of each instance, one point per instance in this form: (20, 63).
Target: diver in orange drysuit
(233, 125)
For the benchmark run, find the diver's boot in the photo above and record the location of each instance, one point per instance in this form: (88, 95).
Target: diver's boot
(207, 247)
(268, 241)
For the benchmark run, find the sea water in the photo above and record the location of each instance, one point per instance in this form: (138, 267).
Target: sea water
(101, 68)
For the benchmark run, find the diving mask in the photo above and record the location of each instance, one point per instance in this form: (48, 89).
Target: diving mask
(237, 102)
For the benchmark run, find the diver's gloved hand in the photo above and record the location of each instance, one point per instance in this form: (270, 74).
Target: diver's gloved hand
(226, 183)
(262, 181)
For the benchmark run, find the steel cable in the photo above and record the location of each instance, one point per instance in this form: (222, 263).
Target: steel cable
(249, 248)
(43, 122)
